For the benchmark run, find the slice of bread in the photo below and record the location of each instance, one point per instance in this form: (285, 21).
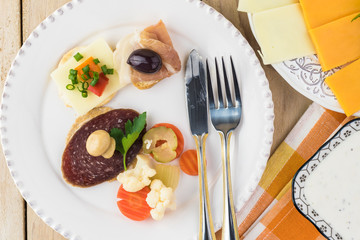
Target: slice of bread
(84, 118)
(145, 85)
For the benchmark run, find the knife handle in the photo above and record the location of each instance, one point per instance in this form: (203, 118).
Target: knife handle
(206, 231)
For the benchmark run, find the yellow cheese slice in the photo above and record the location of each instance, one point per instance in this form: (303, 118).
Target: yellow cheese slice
(337, 42)
(98, 49)
(253, 6)
(345, 84)
(282, 34)
(320, 12)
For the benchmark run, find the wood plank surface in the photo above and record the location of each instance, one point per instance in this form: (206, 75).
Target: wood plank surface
(289, 105)
(34, 12)
(12, 222)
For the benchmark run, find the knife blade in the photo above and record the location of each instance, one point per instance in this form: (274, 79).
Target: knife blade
(196, 95)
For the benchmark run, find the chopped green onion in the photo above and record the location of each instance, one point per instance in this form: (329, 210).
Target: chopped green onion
(110, 71)
(96, 61)
(85, 85)
(86, 69)
(83, 76)
(94, 82)
(70, 87)
(73, 79)
(78, 56)
(95, 78)
(73, 72)
(84, 94)
(104, 69)
(95, 75)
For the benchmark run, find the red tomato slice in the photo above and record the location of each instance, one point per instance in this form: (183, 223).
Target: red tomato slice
(180, 137)
(133, 204)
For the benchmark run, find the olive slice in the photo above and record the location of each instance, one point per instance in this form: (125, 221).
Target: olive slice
(145, 61)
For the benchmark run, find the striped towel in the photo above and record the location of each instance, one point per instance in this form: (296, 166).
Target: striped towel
(270, 214)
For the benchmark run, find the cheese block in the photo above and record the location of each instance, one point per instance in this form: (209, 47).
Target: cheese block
(98, 49)
(253, 6)
(320, 12)
(345, 84)
(337, 42)
(282, 34)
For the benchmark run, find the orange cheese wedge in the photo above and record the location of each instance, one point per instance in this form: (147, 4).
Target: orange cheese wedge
(320, 12)
(345, 84)
(337, 42)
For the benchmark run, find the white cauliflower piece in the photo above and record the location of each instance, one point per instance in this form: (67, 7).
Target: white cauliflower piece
(135, 179)
(159, 198)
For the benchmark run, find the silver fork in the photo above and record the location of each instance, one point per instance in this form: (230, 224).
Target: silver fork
(225, 116)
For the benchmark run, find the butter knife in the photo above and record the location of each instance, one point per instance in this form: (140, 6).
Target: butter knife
(196, 95)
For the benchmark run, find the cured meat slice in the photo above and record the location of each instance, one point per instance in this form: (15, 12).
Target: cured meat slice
(81, 169)
(157, 39)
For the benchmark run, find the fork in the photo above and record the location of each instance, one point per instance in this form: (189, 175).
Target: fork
(225, 116)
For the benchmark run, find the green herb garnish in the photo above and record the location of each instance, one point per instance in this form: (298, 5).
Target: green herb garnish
(73, 72)
(84, 94)
(84, 77)
(95, 79)
(70, 87)
(110, 71)
(132, 132)
(86, 69)
(73, 79)
(96, 61)
(104, 69)
(85, 85)
(78, 56)
(356, 17)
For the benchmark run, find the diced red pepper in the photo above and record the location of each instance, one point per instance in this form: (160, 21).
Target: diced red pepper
(99, 87)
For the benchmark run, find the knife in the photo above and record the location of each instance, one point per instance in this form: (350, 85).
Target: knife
(196, 95)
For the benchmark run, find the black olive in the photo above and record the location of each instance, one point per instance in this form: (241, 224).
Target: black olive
(145, 61)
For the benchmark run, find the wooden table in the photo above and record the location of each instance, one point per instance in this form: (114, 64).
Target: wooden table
(17, 20)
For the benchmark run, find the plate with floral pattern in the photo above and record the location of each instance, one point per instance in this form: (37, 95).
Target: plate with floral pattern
(300, 178)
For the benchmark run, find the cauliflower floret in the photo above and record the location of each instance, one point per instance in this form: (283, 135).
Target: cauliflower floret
(136, 179)
(159, 198)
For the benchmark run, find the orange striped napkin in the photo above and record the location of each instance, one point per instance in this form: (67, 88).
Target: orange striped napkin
(270, 213)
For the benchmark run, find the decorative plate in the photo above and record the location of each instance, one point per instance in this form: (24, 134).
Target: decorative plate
(300, 178)
(306, 76)
(35, 122)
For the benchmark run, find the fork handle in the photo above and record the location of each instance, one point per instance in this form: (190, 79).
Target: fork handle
(206, 231)
(229, 229)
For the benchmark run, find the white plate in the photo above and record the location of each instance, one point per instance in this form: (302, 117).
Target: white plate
(34, 121)
(306, 76)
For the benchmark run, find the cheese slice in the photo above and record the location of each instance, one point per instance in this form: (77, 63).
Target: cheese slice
(337, 42)
(320, 12)
(253, 6)
(98, 49)
(282, 34)
(345, 84)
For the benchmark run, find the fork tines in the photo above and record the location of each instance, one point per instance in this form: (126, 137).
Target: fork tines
(221, 103)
